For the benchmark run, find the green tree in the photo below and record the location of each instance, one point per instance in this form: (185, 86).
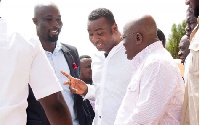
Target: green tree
(174, 39)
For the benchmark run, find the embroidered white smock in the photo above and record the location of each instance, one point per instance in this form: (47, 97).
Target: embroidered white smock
(111, 76)
(21, 63)
(156, 91)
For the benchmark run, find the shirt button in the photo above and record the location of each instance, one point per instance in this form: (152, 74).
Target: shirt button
(99, 116)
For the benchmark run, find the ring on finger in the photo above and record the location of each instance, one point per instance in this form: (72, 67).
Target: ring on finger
(74, 89)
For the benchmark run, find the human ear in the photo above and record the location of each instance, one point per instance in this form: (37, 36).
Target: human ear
(139, 38)
(34, 21)
(114, 28)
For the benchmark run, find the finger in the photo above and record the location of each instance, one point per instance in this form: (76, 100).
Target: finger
(67, 83)
(72, 87)
(73, 90)
(67, 75)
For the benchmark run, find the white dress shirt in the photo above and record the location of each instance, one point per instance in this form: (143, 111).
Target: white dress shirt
(111, 76)
(155, 93)
(59, 63)
(21, 63)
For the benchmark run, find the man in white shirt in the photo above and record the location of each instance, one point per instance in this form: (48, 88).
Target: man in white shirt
(21, 63)
(111, 72)
(155, 93)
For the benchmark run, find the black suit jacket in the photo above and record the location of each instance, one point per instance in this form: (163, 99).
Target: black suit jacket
(36, 114)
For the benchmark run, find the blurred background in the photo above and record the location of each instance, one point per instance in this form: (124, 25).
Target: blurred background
(74, 13)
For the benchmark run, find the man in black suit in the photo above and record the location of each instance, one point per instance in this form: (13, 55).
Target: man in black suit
(48, 23)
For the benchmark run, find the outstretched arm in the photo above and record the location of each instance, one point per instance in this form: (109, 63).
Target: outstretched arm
(56, 109)
(76, 86)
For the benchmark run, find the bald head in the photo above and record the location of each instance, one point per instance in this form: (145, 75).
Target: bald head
(138, 34)
(40, 7)
(47, 19)
(145, 25)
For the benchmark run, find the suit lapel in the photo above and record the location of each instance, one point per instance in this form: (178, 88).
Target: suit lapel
(68, 58)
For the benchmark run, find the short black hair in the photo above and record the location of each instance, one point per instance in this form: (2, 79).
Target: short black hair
(102, 12)
(84, 56)
(161, 36)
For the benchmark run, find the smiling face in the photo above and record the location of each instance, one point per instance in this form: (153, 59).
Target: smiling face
(101, 34)
(131, 40)
(130, 43)
(48, 23)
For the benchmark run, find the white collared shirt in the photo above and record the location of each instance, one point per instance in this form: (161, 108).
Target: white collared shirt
(111, 76)
(156, 91)
(59, 63)
(22, 62)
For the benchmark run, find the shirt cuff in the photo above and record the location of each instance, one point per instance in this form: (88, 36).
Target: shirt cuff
(90, 94)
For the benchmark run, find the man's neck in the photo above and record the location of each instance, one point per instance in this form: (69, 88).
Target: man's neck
(116, 43)
(48, 46)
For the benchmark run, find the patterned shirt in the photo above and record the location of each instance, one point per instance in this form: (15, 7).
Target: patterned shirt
(155, 93)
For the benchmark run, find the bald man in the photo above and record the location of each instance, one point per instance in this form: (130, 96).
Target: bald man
(48, 22)
(155, 93)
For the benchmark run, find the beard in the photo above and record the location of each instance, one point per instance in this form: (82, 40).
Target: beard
(196, 11)
(54, 38)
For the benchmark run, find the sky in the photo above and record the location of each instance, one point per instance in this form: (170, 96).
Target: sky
(75, 12)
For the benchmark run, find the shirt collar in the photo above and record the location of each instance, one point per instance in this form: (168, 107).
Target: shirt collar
(115, 49)
(141, 56)
(58, 47)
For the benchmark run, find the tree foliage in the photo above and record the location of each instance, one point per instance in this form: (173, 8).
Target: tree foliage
(174, 39)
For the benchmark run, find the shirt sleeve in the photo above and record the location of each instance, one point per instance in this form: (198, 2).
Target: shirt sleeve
(91, 93)
(157, 86)
(42, 79)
